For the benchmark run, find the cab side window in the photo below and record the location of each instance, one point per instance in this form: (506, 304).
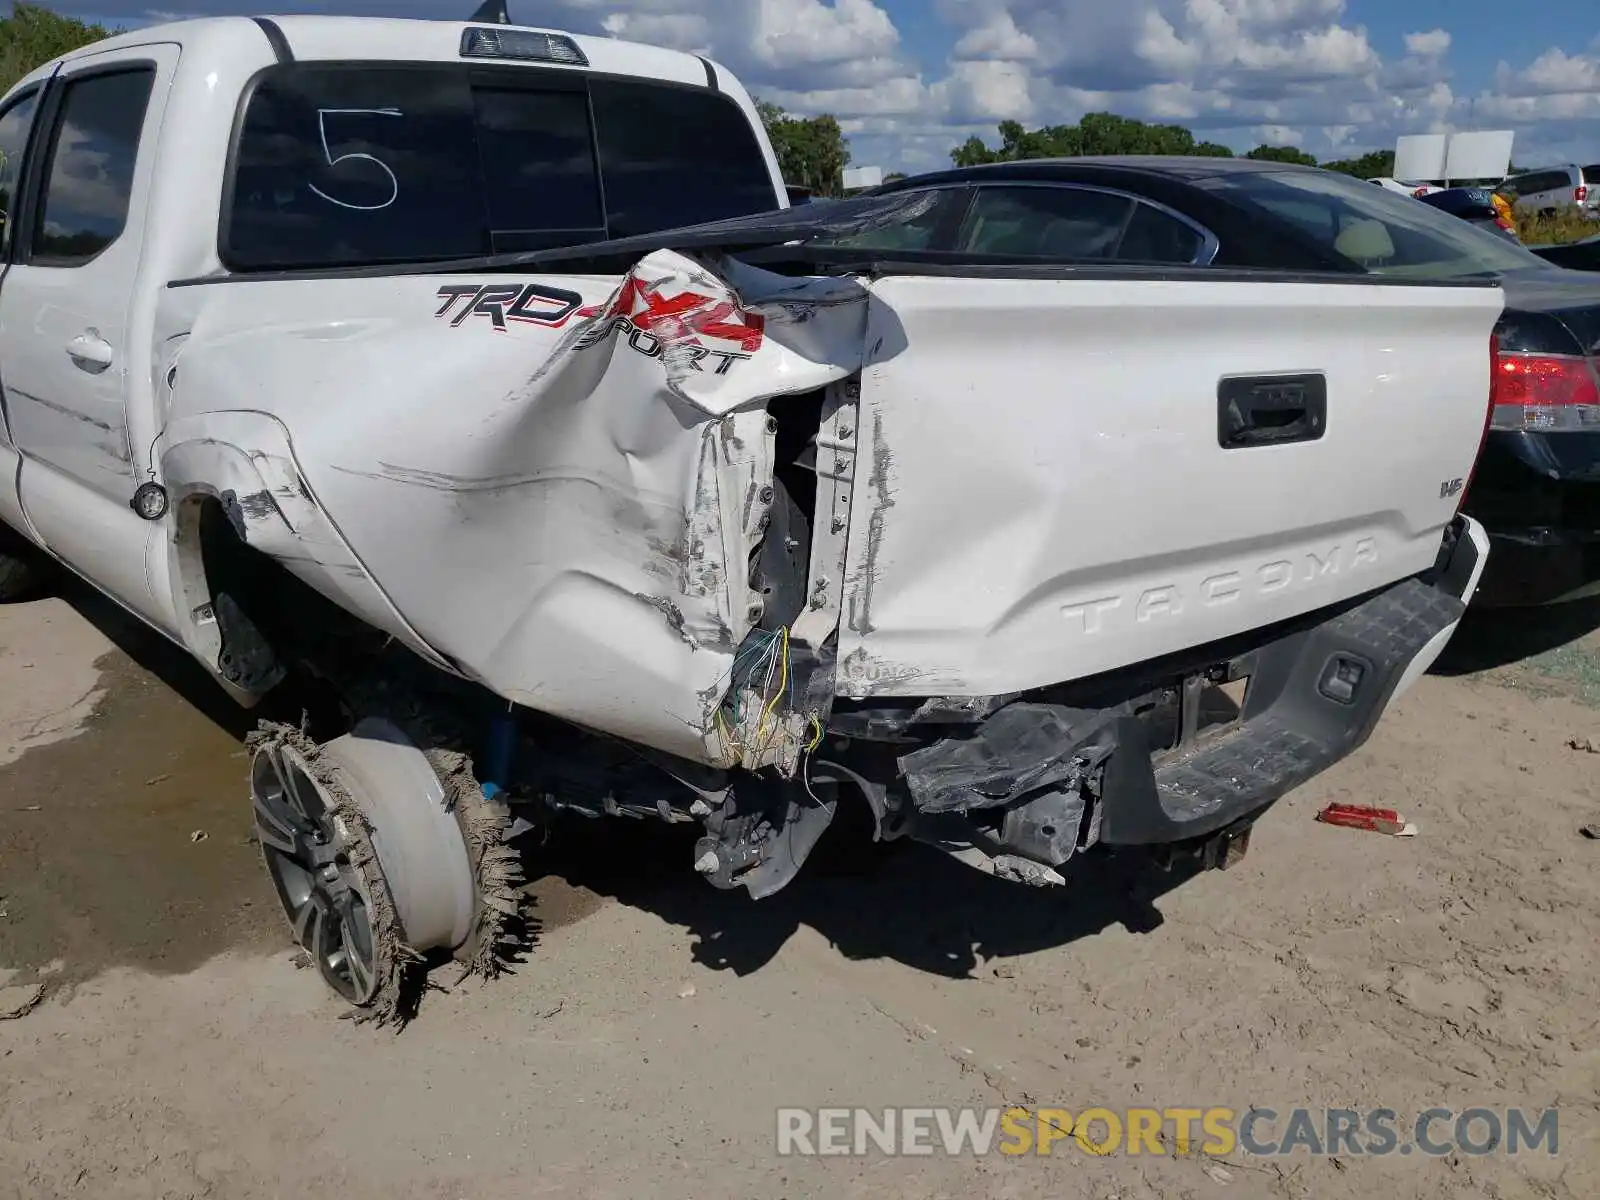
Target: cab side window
(89, 166)
(15, 122)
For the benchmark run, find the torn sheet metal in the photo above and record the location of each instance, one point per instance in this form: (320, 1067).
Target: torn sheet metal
(265, 497)
(557, 482)
(1020, 749)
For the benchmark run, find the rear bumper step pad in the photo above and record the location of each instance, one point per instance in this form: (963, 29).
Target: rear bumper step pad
(1299, 718)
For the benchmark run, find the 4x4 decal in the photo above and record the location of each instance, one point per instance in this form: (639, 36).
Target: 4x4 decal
(653, 321)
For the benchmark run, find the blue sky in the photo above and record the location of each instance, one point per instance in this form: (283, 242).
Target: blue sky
(909, 79)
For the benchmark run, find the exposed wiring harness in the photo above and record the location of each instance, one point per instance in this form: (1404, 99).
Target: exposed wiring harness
(761, 674)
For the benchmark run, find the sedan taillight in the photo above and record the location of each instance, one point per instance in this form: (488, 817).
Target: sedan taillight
(1545, 392)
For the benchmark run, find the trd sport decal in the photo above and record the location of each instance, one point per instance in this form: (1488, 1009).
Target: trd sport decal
(650, 320)
(527, 304)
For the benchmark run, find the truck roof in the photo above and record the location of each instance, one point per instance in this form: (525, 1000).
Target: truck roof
(323, 38)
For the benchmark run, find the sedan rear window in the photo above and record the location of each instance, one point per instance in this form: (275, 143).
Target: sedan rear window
(1381, 232)
(909, 220)
(1046, 222)
(366, 164)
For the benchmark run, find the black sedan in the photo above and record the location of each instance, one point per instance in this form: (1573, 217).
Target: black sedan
(1537, 485)
(1476, 206)
(1575, 256)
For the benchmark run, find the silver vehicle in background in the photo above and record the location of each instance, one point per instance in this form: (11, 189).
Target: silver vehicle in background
(1546, 192)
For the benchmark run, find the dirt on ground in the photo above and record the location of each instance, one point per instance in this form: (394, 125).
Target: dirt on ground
(648, 1040)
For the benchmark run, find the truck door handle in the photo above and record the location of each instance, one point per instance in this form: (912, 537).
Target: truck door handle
(90, 351)
(1271, 410)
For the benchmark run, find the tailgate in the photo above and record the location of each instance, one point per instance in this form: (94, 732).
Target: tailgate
(1046, 493)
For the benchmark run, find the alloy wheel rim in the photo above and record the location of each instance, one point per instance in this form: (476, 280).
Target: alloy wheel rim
(308, 847)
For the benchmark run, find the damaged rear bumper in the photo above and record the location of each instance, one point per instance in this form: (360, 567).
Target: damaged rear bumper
(1048, 775)
(1314, 697)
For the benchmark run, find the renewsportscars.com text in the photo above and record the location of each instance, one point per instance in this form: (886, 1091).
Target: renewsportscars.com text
(1260, 1131)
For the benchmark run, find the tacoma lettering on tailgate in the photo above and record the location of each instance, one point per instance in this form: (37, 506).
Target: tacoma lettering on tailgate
(1225, 587)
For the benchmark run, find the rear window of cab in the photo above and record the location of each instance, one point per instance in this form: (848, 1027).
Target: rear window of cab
(339, 165)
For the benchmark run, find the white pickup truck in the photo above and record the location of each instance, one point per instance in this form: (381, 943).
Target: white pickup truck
(347, 353)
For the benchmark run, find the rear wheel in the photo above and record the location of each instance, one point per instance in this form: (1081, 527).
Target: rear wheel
(23, 570)
(381, 857)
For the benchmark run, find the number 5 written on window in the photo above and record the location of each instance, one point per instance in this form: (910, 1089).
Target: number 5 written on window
(322, 128)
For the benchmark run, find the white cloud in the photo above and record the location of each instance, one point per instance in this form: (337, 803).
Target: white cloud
(1283, 72)
(1432, 44)
(1186, 42)
(997, 38)
(991, 91)
(1278, 135)
(1174, 102)
(792, 33)
(1160, 45)
(901, 95)
(1553, 104)
(1554, 72)
(788, 45)
(681, 31)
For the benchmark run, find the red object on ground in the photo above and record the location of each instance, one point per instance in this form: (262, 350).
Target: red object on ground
(1355, 816)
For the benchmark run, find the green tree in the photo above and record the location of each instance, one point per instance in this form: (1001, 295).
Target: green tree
(1109, 134)
(972, 153)
(1106, 133)
(1379, 163)
(1097, 133)
(812, 151)
(1282, 154)
(33, 34)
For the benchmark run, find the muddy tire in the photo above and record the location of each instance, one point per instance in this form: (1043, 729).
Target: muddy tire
(384, 854)
(497, 875)
(23, 570)
(498, 926)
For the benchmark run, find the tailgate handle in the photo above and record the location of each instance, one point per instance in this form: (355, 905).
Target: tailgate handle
(1271, 410)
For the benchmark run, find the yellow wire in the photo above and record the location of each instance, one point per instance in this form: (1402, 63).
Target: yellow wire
(728, 740)
(783, 682)
(816, 741)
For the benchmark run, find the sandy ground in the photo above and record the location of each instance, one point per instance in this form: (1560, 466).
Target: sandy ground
(644, 1048)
